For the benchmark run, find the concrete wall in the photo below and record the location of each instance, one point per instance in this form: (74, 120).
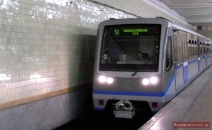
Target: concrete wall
(46, 57)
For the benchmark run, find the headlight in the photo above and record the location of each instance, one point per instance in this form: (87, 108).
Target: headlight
(153, 80)
(109, 80)
(103, 79)
(145, 81)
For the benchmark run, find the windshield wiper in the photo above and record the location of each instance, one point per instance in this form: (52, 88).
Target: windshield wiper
(134, 73)
(137, 70)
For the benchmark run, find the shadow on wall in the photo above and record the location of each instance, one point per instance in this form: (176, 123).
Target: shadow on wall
(81, 53)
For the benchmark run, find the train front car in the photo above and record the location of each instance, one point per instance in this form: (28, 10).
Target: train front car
(133, 66)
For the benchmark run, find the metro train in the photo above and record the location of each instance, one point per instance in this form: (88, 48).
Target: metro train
(173, 56)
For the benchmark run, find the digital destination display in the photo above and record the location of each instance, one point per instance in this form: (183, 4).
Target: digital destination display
(131, 31)
(138, 30)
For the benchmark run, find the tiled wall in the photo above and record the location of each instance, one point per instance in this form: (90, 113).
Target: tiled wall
(47, 45)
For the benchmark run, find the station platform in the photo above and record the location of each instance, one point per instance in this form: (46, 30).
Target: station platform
(191, 109)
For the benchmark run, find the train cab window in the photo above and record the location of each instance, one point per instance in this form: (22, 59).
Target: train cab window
(122, 46)
(169, 62)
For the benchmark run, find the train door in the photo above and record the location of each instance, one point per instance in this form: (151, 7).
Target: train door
(179, 73)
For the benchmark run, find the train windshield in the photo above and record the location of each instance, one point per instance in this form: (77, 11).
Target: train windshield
(130, 48)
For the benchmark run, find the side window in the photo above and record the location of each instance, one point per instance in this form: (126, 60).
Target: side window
(195, 46)
(169, 54)
(176, 47)
(203, 46)
(200, 48)
(189, 49)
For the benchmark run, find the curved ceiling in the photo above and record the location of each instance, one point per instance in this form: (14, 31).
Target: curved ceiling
(197, 12)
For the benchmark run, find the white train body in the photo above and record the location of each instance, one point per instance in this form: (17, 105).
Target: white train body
(174, 56)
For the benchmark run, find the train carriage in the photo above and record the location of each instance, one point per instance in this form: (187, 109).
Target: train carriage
(172, 57)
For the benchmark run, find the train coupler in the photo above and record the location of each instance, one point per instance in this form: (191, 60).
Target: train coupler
(124, 109)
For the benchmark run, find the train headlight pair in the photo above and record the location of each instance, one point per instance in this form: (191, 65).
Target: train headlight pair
(152, 80)
(104, 79)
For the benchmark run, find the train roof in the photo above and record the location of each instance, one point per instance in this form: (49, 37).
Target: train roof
(185, 29)
(188, 30)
